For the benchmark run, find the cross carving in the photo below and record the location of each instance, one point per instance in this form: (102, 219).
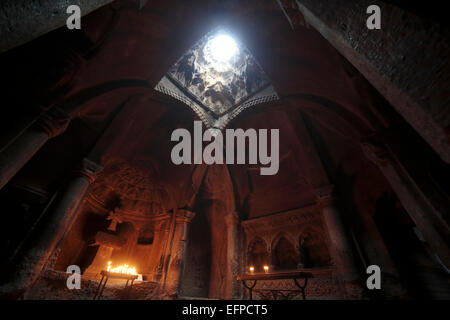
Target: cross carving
(115, 219)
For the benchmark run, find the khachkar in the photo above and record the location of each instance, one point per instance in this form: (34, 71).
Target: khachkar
(178, 253)
(50, 124)
(49, 232)
(232, 225)
(339, 243)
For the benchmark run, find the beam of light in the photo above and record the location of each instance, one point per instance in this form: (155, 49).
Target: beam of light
(223, 47)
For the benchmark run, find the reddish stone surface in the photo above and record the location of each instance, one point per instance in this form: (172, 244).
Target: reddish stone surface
(326, 109)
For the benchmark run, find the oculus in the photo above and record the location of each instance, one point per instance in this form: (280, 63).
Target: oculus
(218, 78)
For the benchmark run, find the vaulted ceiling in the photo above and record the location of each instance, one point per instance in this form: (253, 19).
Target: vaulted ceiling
(317, 91)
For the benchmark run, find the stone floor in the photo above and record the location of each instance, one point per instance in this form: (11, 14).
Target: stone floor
(52, 286)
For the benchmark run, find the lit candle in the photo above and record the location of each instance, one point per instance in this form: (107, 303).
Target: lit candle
(266, 269)
(252, 269)
(124, 269)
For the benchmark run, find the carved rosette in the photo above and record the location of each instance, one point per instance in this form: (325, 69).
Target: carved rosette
(89, 169)
(53, 122)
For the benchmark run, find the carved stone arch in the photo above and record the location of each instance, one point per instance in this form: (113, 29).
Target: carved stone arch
(313, 248)
(192, 188)
(311, 233)
(258, 254)
(278, 236)
(283, 253)
(136, 184)
(256, 239)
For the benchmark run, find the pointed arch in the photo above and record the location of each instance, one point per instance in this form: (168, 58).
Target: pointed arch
(284, 254)
(313, 249)
(257, 254)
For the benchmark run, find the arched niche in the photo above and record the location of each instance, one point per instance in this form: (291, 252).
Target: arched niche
(146, 235)
(284, 254)
(257, 254)
(313, 250)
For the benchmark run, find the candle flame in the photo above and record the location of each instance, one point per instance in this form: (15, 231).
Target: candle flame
(123, 269)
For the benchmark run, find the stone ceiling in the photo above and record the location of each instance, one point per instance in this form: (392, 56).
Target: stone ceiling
(217, 89)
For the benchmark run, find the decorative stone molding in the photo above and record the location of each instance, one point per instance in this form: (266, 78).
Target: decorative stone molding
(288, 221)
(321, 286)
(89, 169)
(257, 239)
(184, 216)
(142, 195)
(376, 152)
(162, 225)
(54, 122)
(292, 225)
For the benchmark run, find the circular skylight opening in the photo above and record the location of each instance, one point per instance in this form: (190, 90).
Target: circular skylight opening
(223, 47)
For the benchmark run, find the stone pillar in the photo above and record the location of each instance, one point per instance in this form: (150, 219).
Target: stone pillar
(300, 250)
(340, 248)
(176, 262)
(377, 253)
(428, 221)
(401, 77)
(16, 155)
(51, 230)
(162, 233)
(233, 286)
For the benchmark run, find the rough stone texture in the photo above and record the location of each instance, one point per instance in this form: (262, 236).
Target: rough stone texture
(326, 109)
(52, 286)
(408, 66)
(322, 286)
(23, 20)
(13, 158)
(55, 224)
(429, 220)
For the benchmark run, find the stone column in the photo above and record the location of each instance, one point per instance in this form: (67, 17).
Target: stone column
(403, 88)
(51, 230)
(377, 253)
(162, 233)
(300, 250)
(232, 287)
(340, 248)
(176, 263)
(428, 221)
(16, 155)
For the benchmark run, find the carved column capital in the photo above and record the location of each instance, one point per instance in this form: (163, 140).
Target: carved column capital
(53, 122)
(376, 152)
(184, 216)
(232, 218)
(89, 169)
(325, 195)
(163, 224)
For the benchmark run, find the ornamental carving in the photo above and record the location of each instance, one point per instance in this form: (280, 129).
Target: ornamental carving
(134, 189)
(54, 122)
